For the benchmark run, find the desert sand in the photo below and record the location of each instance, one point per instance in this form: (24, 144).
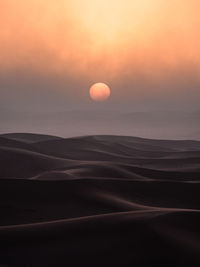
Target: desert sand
(99, 201)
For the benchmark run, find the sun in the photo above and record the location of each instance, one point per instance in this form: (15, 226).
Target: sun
(99, 92)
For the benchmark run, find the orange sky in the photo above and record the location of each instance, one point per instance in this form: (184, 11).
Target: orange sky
(97, 38)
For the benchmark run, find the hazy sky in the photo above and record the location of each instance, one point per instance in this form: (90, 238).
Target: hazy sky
(147, 51)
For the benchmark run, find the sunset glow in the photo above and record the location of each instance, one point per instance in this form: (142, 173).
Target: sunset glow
(100, 37)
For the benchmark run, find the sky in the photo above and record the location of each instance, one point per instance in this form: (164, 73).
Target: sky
(147, 51)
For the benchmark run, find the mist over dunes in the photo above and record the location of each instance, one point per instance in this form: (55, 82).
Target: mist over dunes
(160, 124)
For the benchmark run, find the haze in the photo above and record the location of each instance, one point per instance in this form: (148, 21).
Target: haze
(147, 51)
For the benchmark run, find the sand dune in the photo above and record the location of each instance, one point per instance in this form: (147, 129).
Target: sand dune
(99, 201)
(29, 137)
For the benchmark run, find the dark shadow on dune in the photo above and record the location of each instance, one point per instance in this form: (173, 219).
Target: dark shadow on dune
(99, 201)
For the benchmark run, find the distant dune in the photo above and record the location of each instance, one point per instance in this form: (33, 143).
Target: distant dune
(156, 124)
(99, 201)
(29, 137)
